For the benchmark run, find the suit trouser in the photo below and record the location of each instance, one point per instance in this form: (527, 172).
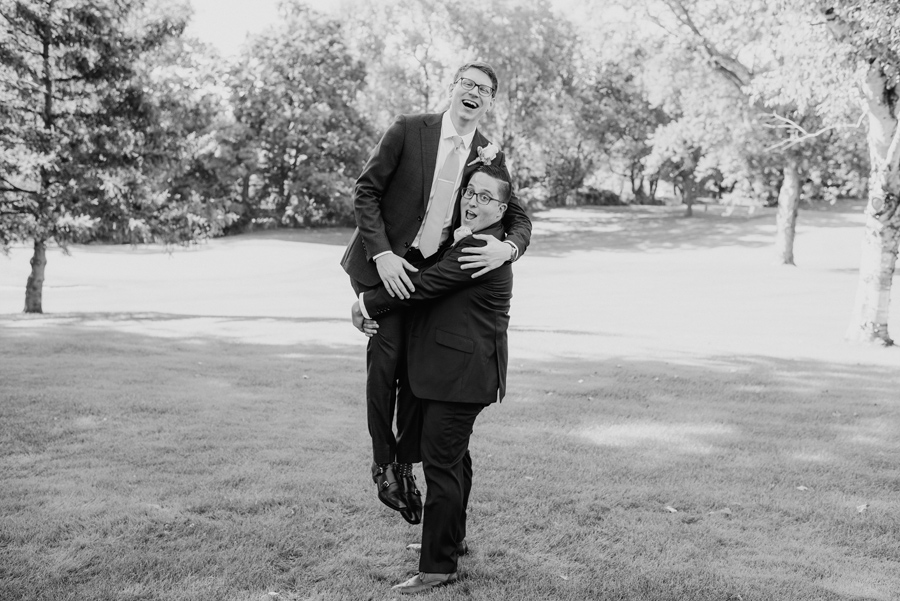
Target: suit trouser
(446, 430)
(387, 386)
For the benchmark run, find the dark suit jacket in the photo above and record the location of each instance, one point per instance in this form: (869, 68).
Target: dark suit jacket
(392, 192)
(457, 336)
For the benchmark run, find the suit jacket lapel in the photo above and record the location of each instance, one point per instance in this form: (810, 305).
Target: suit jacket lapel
(431, 139)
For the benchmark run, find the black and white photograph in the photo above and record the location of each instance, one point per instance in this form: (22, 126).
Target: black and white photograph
(505, 300)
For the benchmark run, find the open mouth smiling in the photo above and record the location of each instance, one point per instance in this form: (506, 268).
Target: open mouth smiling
(471, 215)
(470, 104)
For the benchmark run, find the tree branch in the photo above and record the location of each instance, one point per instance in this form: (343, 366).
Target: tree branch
(6, 212)
(804, 134)
(14, 188)
(729, 67)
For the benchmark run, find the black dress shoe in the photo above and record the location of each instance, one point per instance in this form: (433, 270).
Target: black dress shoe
(388, 487)
(412, 496)
(462, 548)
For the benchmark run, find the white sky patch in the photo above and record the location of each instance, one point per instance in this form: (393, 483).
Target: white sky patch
(226, 23)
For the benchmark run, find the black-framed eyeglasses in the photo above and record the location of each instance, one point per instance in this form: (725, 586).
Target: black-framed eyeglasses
(468, 84)
(481, 198)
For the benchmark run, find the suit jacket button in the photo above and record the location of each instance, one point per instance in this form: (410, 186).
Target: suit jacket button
(419, 218)
(406, 244)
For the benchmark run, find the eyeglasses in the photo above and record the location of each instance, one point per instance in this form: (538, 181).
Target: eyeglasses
(481, 198)
(468, 84)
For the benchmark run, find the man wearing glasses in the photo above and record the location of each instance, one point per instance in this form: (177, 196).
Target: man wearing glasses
(405, 202)
(457, 361)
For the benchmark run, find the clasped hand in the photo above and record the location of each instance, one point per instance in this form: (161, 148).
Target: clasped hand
(369, 327)
(392, 271)
(488, 257)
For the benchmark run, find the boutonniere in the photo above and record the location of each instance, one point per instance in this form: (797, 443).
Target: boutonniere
(486, 154)
(460, 233)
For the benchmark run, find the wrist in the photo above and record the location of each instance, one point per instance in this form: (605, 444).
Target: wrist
(513, 250)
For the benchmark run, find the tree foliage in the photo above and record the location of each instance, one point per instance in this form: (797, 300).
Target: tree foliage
(79, 134)
(535, 52)
(298, 138)
(416, 55)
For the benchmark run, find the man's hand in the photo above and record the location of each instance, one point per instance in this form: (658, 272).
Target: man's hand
(392, 271)
(369, 327)
(488, 257)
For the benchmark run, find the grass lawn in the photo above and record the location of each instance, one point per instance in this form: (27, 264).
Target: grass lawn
(682, 423)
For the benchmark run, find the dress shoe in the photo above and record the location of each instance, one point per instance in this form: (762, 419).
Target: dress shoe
(410, 493)
(423, 581)
(388, 487)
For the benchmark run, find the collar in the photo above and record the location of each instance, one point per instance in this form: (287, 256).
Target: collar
(448, 131)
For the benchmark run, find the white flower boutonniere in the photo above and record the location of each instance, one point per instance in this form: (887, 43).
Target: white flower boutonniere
(460, 233)
(486, 154)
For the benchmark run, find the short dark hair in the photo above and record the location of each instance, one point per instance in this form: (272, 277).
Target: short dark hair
(498, 173)
(484, 68)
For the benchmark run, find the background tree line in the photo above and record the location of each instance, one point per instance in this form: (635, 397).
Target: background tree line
(115, 127)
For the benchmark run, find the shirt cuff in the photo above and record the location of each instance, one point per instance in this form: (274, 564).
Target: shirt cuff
(389, 252)
(362, 307)
(515, 248)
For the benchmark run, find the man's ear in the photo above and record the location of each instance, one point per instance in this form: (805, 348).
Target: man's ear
(503, 209)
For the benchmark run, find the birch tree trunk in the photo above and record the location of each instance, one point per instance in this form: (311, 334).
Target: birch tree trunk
(869, 321)
(788, 206)
(34, 288)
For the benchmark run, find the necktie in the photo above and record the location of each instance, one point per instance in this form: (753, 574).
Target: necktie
(440, 202)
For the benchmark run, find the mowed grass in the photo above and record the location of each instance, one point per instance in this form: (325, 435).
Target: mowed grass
(196, 468)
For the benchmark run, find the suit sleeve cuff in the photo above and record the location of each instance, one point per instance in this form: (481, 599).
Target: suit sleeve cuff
(362, 307)
(515, 250)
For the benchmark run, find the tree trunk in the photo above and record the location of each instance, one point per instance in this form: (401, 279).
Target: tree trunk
(653, 184)
(636, 176)
(34, 289)
(869, 321)
(687, 196)
(788, 205)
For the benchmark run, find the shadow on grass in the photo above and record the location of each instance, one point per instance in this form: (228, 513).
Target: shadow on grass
(282, 333)
(223, 471)
(152, 316)
(655, 228)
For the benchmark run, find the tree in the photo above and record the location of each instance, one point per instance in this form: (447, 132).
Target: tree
(200, 164)
(415, 53)
(534, 52)
(77, 135)
(294, 93)
(751, 48)
(618, 118)
(868, 33)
